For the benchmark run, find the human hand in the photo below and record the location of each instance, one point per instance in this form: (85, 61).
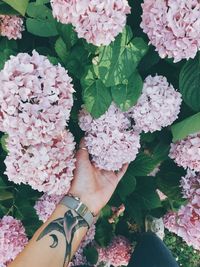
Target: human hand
(93, 186)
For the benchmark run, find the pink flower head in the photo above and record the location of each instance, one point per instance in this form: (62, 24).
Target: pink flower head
(11, 26)
(157, 107)
(35, 98)
(102, 21)
(12, 239)
(186, 153)
(99, 22)
(186, 224)
(173, 27)
(108, 138)
(45, 167)
(46, 205)
(118, 253)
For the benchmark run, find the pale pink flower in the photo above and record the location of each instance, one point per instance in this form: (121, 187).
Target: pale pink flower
(98, 21)
(173, 27)
(157, 107)
(35, 98)
(45, 167)
(118, 252)
(186, 152)
(46, 205)
(186, 224)
(102, 21)
(109, 139)
(11, 26)
(12, 239)
(161, 195)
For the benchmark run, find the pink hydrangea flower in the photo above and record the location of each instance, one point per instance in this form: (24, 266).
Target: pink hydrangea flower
(11, 26)
(186, 224)
(99, 22)
(35, 98)
(45, 167)
(118, 253)
(108, 138)
(186, 153)
(173, 27)
(102, 21)
(12, 239)
(190, 185)
(46, 205)
(157, 107)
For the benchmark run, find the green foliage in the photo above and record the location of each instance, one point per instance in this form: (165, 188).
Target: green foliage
(91, 254)
(185, 255)
(188, 126)
(119, 60)
(189, 83)
(19, 6)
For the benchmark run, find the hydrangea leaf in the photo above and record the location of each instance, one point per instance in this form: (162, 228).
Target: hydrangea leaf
(91, 254)
(61, 50)
(20, 6)
(188, 126)
(119, 60)
(125, 95)
(96, 96)
(189, 82)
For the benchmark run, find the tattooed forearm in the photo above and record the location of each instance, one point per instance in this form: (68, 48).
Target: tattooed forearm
(68, 225)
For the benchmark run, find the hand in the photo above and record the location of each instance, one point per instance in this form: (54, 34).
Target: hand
(93, 186)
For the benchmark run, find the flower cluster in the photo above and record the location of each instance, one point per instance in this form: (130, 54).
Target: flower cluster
(45, 167)
(190, 185)
(99, 22)
(35, 104)
(118, 252)
(12, 239)
(157, 107)
(186, 224)
(46, 205)
(36, 98)
(11, 26)
(186, 152)
(173, 27)
(109, 139)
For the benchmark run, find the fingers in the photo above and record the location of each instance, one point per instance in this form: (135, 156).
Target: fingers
(82, 152)
(121, 172)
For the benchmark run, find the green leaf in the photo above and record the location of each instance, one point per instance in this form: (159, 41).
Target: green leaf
(126, 185)
(42, 28)
(189, 83)
(69, 36)
(19, 5)
(3, 142)
(4, 56)
(5, 195)
(119, 60)
(41, 2)
(91, 254)
(5, 9)
(96, 96)
(104, 232)
(61, 50)
(41, 22)
(188, 126)
(126, 95)
(143, 165)
(168, 179)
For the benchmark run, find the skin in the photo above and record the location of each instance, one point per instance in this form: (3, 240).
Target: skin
(94, 187)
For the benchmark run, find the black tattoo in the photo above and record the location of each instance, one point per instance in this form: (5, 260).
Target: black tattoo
(67, 226)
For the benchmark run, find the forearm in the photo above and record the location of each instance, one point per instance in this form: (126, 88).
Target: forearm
(55, 242)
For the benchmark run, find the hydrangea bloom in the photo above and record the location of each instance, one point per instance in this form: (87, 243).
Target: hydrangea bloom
(157, 107)
(35, 98)
(45, 167)
(108, 138)
(12, 239)
(186, 153)
(46, 205)
(118, 253)
(99, 22)
(11, 26)
(173, 27)
(190, 185)
(186, 224)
